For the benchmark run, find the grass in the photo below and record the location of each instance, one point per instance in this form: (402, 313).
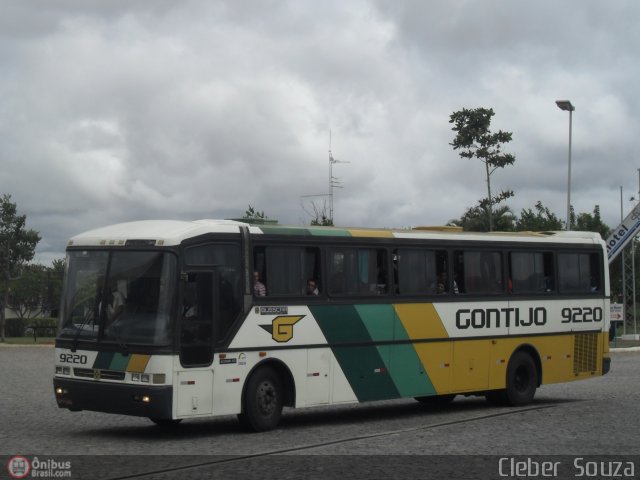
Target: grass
(29, 340)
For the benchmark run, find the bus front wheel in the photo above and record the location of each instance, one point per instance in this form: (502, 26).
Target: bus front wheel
(263, 401)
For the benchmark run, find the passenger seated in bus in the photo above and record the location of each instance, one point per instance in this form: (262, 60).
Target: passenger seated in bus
(119, 298)
(312, 287)
(441, 286)
(259, 289)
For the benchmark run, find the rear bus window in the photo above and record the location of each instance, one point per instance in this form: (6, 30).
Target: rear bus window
(579, 273)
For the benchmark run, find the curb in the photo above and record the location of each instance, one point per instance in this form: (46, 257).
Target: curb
(622, 349)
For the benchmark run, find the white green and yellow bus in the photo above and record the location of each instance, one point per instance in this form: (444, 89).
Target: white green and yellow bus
(173, 319)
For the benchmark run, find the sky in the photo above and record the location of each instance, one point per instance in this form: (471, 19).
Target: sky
(122, 110)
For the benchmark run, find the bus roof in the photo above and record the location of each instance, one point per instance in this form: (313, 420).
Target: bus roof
(173, 232)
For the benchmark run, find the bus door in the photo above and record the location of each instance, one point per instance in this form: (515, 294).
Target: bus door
(198, 318)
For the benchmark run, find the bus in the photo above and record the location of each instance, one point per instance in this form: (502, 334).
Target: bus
(173, 320)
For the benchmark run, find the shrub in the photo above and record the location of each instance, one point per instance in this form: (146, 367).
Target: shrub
(14, 327)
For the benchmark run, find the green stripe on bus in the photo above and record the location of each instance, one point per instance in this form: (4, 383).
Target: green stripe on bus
(284, 230)
(402, 361)
(103, 360)
(119, 362)
(305, 231)
(363, 366)
(329, 232)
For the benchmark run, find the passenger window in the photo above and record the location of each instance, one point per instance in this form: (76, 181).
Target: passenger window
(478, 272)
(287, 271)
(358, 271)
(421, 272)
(531, 272)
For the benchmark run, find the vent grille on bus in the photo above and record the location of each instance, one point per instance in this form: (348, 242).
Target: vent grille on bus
(98, 374)
(585, 353)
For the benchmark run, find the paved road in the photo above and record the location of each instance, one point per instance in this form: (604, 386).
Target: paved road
(593, 417)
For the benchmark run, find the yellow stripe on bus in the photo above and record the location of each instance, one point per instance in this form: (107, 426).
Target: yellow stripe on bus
(138, 363)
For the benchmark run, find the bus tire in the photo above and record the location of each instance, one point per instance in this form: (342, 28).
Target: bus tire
(263, 401)
(522, 379)
(436, 400)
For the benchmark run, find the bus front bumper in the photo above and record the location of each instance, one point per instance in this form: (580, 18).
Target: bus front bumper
(107, 397)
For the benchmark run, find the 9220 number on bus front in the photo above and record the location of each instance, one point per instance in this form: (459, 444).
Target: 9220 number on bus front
(581, 315)
(73, 358)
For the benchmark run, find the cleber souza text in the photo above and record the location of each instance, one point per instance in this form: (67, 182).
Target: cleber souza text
(511, 467)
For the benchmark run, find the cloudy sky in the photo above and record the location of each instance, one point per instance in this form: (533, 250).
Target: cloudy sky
(119, 110)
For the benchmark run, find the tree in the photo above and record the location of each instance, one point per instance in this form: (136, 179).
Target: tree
(37, 291)
(475, 139)
(590, 222)
(476, 219)
(55, 279)
(17, 247)
(319, 215)
(28, 293)
(543, 220)
(253, 214)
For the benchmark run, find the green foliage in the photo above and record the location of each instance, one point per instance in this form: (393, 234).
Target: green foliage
(253, 214)
(476, 219)
(17, 247)
(44, 322)
(590, 222)
(30, 294)
(322, 221)
(18, 327)
(15, 327)
(474, 139)
(542, 220)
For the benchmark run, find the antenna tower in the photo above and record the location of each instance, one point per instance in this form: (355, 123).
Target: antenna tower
(334, 182)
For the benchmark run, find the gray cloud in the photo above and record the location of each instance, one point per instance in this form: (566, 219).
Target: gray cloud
(114, 111)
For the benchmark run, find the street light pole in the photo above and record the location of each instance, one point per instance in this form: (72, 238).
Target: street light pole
(566, 106)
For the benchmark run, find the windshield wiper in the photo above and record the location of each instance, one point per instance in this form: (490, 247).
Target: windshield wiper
(76, 338)
(115, 329)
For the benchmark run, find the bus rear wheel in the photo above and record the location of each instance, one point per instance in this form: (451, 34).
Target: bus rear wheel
(522, 381)
(263, 401)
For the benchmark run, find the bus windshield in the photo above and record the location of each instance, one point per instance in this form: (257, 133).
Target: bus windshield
(125, 297)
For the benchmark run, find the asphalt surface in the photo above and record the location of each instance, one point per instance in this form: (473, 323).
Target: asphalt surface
(388, 439)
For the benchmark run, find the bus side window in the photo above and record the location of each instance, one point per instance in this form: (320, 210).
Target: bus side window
(358, 271)
(479, 272)
(579, 272)
(285, 270)
(531, 272)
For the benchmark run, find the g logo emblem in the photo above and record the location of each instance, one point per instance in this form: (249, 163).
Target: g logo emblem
(281, 328)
